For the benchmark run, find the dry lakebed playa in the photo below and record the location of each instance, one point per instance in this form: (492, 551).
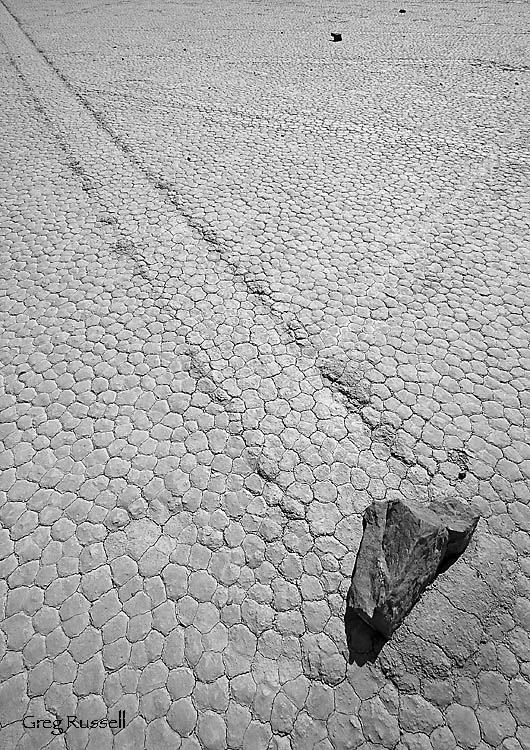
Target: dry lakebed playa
(264, 375)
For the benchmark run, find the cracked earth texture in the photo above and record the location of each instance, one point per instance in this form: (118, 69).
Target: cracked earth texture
(251, 281)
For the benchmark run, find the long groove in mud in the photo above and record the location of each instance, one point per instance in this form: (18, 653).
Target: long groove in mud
(295, 332)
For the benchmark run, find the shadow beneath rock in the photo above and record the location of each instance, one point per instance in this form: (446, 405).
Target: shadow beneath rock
(364, 643)
(446, 563)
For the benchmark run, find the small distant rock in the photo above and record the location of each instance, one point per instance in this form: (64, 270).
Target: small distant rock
(336, 37)
(402, 10)
(404, 547)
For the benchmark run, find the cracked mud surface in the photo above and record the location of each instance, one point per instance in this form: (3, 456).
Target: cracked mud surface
(252, 281)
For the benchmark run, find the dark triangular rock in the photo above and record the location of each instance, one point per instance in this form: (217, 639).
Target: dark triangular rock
(404, 547)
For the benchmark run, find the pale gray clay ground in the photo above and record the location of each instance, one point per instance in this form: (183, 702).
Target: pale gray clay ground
(252, 280)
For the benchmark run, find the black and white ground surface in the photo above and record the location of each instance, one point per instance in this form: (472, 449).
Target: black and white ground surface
(251, 281)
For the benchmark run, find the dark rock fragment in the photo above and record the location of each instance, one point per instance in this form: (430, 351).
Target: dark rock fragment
(336, 37)
(404, 547)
